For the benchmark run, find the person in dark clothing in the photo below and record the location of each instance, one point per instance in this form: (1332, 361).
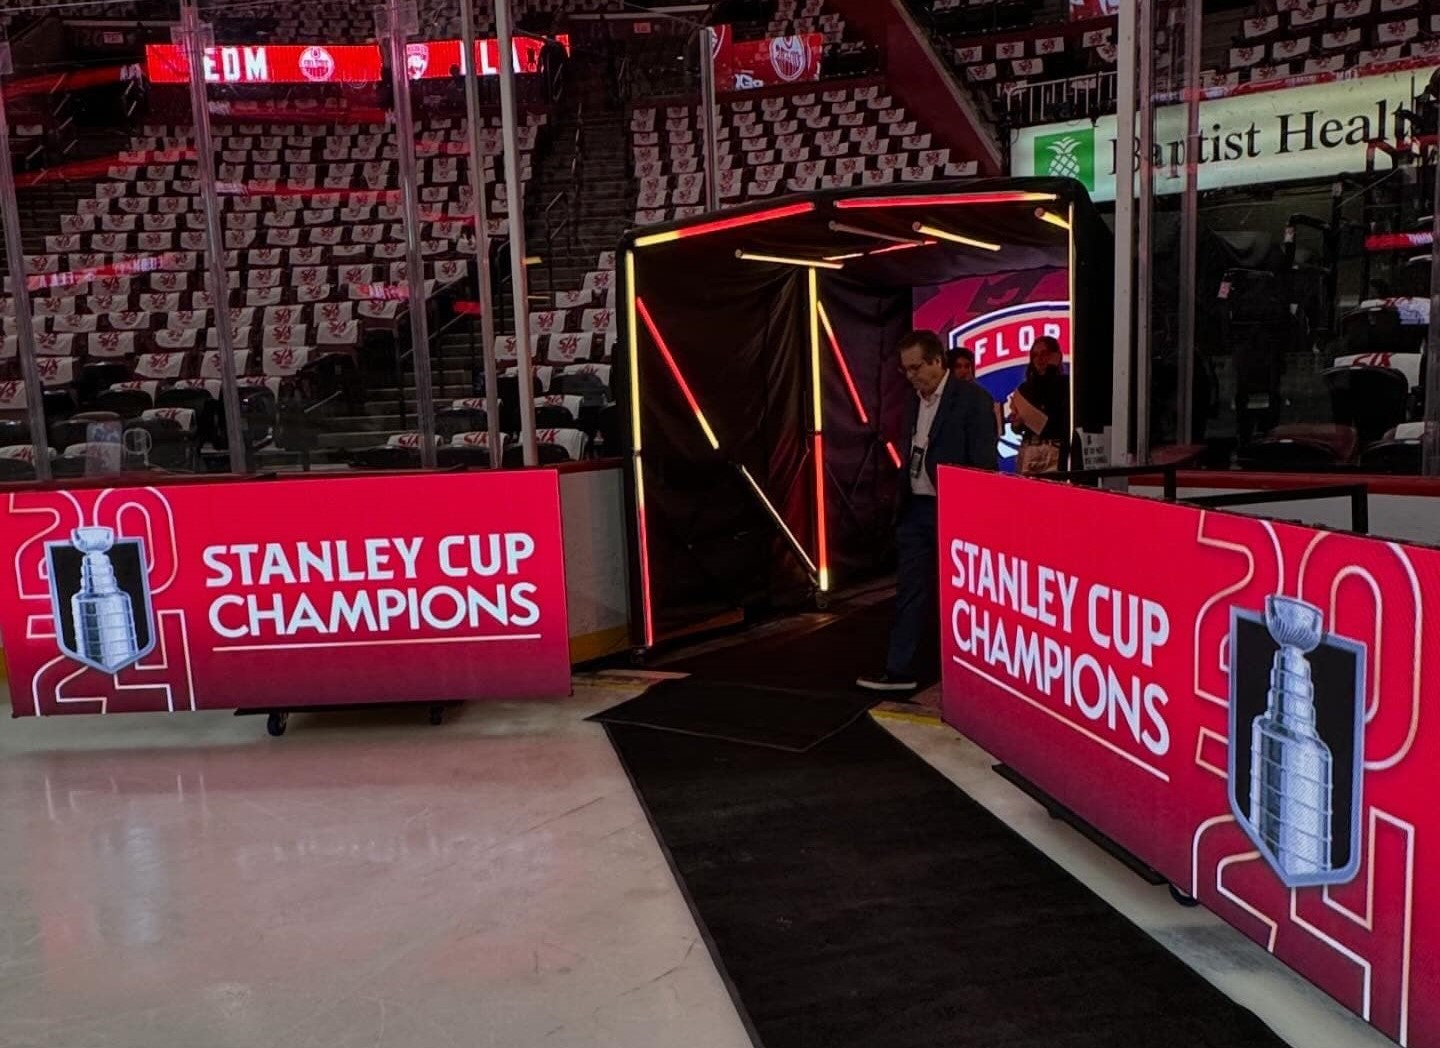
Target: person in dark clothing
(960, 362)
(949, 423)
(1040, 411)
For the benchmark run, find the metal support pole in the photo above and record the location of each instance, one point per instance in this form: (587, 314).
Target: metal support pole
(482, 233)
(1189, 229)
(1124, 234)
(395, 22)
(515, 201)
(195, 39)
(710, 117)
(19, 291)
(1146, 212)
(1430, 440)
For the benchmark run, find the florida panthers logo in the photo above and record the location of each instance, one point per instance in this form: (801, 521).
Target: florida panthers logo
(417, 60)
(790, 57)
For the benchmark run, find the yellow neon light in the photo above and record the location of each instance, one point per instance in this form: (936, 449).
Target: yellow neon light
(632, 338)
(809, 263)
(822, 544)
(844, 258)
(954, 238)
(780, 521)
(815, 347)
(1052, 218)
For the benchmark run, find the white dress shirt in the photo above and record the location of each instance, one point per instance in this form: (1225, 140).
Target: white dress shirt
(924, 421)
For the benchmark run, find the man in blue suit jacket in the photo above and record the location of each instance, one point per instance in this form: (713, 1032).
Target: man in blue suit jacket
(949, 423)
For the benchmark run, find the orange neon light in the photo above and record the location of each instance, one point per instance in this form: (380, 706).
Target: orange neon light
(947, 199)
(844, 368)
(675, 371)
(721, 224)
(822, 548)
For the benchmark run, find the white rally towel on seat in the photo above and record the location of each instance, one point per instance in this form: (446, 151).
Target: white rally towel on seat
(182, 417)
(572, 440)
(55, 371)
(160, 366)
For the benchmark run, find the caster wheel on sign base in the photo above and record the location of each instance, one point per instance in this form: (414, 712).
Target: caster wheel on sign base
(437, 715)
(1188, 901)
(276, 723)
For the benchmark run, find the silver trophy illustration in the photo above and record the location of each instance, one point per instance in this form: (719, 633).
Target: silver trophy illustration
(103, 615)
(1291, 779)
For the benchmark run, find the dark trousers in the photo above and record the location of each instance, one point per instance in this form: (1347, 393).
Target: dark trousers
(912, 637)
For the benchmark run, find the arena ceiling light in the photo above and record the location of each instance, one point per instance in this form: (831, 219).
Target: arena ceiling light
(721, 224)
(947, 200)
(955, 238)
(1059, 221)
(808, 263)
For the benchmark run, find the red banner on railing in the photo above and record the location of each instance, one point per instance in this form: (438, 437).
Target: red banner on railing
(744, 64)
(333, 63)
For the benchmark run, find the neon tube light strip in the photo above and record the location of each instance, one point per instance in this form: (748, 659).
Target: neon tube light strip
(642, 526)
(721, 224)
(955, 238)
(808, 263)
(780, 521)
(844, 368)
(903, 247)
(1052, 218)
(894, 455)
(675, 370)
(841, 227)
(822, 541)
(947, 199)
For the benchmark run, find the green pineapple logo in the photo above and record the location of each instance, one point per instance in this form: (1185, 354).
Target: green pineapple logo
(1067, 154)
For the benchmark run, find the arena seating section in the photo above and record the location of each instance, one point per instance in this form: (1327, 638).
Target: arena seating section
(1027, 64)
(821, 138)
(316, 255)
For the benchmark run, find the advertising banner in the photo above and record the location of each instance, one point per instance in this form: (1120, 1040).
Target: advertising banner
(284, 594)
(1315, 131)
(741, 65)
(332, 63)
(1084, 10)
(998, 318)
(1234, 700)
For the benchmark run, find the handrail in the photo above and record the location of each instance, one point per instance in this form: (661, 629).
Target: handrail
(1091, 476)
(1358, 494)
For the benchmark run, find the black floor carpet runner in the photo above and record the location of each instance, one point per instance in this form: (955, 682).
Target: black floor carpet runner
(853, 898)
(782, 719)
(824, 659)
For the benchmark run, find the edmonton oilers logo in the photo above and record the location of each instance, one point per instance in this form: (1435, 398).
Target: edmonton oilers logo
(790, 55)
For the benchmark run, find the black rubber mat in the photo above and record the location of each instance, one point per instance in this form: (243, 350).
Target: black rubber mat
(788, 720)
(854, 898)
(826, 658)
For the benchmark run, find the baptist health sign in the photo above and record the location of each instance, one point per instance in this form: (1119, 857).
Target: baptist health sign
(1270, 136)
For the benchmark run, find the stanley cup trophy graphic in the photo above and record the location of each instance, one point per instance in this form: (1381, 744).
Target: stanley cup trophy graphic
(103, 614)
(1291, 770)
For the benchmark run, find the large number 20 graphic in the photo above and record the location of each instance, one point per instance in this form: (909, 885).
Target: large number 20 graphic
(158, 682)
(1354, 940)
